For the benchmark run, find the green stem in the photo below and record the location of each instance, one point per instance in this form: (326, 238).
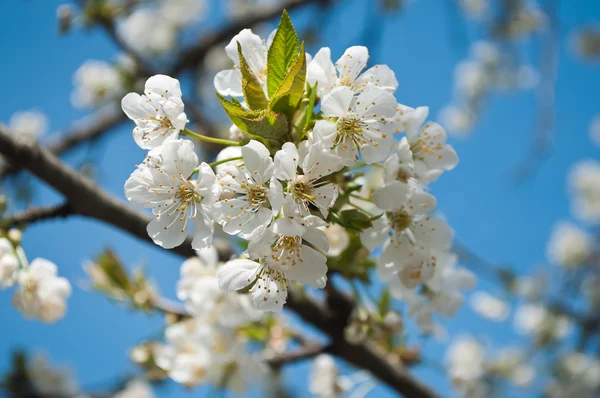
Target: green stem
(360, 209)
(218, 162)
(355, 196)
(22, 257)
(212, 140)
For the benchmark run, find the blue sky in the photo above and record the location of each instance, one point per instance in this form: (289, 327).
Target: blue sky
(502, 221)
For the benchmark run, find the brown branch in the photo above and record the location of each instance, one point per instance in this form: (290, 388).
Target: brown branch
(84, 130)
(37, 214)
(307, 351)
(87, 199)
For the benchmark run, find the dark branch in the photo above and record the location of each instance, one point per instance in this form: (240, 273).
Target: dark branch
(37, 214)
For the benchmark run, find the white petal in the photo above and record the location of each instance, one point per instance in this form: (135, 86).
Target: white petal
(381, 76)
(373, 237)
(164, 86)
(166, 231)
(203, 230)
(322, 70)
(257, 161)
(337, 102)
(286, 162)
(376, 103)
(352, 63)
(237, 274)
(229, 83)
(390, 196)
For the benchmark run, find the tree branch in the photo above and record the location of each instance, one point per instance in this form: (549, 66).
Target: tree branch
(87, 199)
(37, 214)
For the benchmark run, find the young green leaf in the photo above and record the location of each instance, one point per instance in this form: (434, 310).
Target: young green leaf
(265, 123)
(282, 53)
(251, 87)
(290, 91)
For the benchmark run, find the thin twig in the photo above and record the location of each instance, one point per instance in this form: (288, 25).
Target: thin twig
(37, 214)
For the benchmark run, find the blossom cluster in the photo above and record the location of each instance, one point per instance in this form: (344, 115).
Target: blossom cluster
(41, 293)
(302, 123)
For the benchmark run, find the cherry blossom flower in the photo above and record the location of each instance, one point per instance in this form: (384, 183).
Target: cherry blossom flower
(95, 82)
(584, 181)
(199, 289)
(569, 245)
(291, 250)
(30, 124)
(255, 49)
(41, 292)
(430, 152)
(357, 125)
(158, 113)
(9, 264)
(489, 306)
(251, 196)
(347, 72)
(162, 182)
(406, 232)
(308, 189)
(147, 31)
(136, 388)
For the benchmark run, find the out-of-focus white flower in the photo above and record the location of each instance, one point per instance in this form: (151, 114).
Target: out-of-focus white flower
(471, 79)
(584, 180)
(9, 264)
(338, 239)
(324, 379)
(148, 31)
(136, 388)
(595, 130)
(535, 320)
(182, 12)
(229, 152)
(95, 83)
(244, 8)
(465, 359)
(163, 183)
(158, 113)
(489, 307)
(458, 120)
(475, 9)
(30, 124)
(569, 245)
(42, 294)
(48, 380)
(522, 375)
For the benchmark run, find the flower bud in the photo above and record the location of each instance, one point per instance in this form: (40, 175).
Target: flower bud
(64, 13)
(15, 236)
(392, 321)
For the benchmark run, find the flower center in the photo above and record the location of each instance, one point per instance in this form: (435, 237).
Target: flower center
(350, 127)
(400, 220)
(186, 194)
(286, 249)
(257, 195)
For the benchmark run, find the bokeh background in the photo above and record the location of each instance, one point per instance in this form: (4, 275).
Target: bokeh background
(496, 211)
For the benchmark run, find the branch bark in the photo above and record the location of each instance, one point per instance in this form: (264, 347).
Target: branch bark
(87, 199)
(37, 214)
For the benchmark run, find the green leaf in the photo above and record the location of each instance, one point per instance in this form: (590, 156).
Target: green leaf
(112, 267)
(384, 302)
(290, 91)
(265, 123)
(251, 87)
(282, 53)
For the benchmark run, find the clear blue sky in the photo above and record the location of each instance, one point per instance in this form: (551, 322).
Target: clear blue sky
(503, 222)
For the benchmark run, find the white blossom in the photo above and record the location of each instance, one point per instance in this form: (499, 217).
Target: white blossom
(147, 31)
(308, 189)
(182, 12)
(42, 294)
(465, 359)
(95, 83)
(584, 180)
(489, 307)
(535, 320)
(357, 125)
(291, 250)
(9, 264)
(338, 239)
(158, 113)
(409, 236)
(30, 124)
(199, 289)
(569, 245)
(163, 183)
(255, 49)
(324, 379)
(347, 72)
(251, 196)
